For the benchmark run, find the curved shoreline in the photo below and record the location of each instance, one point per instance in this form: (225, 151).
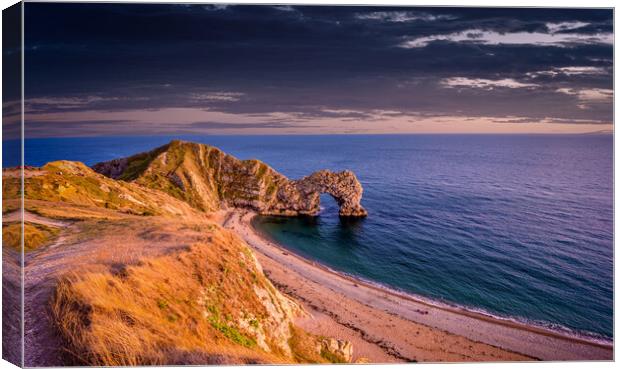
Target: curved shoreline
(508, 321)
(510, 335)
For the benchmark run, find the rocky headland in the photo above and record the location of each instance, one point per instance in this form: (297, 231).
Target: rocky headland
(209, 180)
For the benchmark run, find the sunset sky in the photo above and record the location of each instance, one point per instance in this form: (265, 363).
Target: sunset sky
(121, 69)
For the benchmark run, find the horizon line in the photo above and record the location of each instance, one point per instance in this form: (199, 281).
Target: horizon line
(601, 133)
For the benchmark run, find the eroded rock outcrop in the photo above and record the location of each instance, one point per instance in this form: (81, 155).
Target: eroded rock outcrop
(341, 349)
(208, 179)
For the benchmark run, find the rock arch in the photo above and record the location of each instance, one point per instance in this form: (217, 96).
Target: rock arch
(342, 186)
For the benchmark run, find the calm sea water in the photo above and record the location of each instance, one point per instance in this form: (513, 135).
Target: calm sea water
(515, 226)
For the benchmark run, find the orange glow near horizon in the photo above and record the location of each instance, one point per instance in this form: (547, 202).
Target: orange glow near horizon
(183, 121)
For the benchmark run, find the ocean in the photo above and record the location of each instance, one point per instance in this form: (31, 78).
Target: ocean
(515, 226)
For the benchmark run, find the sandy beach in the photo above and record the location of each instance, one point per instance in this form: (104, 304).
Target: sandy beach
(387, 326)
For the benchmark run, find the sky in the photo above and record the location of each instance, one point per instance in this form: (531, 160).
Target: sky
(143, 69)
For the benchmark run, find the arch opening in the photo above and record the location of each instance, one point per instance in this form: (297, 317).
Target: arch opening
(328, 204)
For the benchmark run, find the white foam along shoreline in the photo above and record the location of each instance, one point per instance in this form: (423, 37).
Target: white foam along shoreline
(551, 328)
(507, 333)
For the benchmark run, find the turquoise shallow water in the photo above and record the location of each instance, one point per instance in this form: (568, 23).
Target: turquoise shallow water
(516, 226)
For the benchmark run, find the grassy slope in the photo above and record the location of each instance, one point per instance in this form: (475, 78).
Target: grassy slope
(205, 302)
(208, 304)
(35, 235)
(202, 175)
(73, 183)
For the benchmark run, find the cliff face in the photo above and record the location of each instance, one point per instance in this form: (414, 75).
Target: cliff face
(208, 179)
(217, 309)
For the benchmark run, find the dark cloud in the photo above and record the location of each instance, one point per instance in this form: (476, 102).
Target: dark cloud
(314, 60)
(220, 125)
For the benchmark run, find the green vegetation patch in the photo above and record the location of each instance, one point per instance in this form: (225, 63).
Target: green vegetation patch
(74, 183)
(231, 332)
(138, 163)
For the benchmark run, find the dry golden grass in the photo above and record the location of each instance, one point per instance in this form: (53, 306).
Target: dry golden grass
(304, 346)
(130, 239)
(64, 211)
(79, 187)
(35, 235)
(10, 205)
(11, 185)
(191, 307)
